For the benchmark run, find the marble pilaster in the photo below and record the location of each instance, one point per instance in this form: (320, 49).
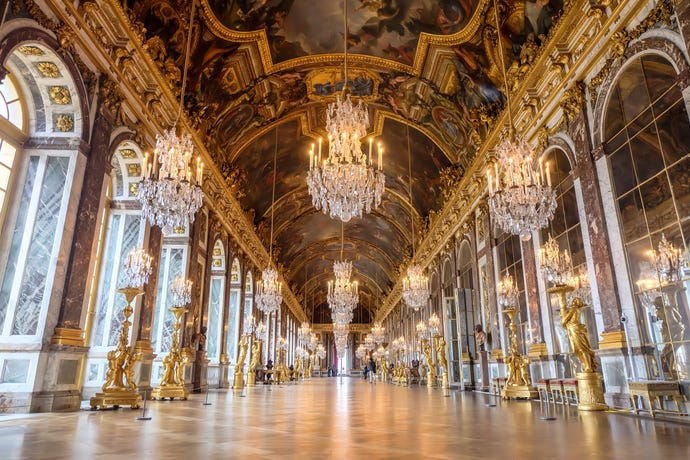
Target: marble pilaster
(596, 224)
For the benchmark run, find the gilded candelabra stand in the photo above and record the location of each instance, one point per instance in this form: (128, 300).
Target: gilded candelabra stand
(172, 383)
(589, 382)
(119, 387)
(518, 383)
(116, 392)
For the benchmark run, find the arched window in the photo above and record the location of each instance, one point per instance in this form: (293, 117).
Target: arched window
(647, 138)
(234, 308)
(33, 223)
(11, 134)
(215, 302)
(450, 314)
(124, 231)
(248, 295)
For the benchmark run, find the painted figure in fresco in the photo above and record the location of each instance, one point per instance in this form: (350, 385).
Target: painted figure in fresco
(539, 17)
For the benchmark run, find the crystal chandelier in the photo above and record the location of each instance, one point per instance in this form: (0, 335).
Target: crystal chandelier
(668, 261)
(434, 328)
(378, 332)
(520, 200)
(269, 291)
(320, 351)
(137, 268)
(346, 183)
(555, 264)
(422, 330)
(181, 291)
(416, 284)
(369, 343)
(343, 294)
(170, 195)
(507, 291)
(415, 287)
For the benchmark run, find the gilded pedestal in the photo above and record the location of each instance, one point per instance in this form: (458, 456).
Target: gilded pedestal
(172, 383)
(119, 388)
(590, 391)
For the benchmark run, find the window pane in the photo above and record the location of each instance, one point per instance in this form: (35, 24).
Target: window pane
(632, 217)
(622, 171)
(680, 178)
(33, 284)
(214, 318)
(130, 239)
(633, 93)
(658, 205)
(105, 291)
(646, 153)
(674, 135)
(659, 73)
(17, 237)
(613, 122)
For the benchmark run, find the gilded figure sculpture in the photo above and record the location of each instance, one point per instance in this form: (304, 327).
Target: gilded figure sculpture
(577, 333)
(426, 349)
(244, 345)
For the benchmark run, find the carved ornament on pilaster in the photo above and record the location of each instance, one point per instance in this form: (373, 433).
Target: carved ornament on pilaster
(573, 101)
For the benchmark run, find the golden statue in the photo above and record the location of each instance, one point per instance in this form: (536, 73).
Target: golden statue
(254, 362)
(431, 375)
(577, 333)
(441, 354)
(244, 345)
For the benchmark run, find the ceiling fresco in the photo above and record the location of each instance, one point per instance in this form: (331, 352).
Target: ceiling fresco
(262, 70)
(388, 29)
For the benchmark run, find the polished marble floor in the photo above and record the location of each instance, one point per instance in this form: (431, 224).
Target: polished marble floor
(344, 418)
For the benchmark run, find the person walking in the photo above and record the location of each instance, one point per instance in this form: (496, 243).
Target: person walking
(372, 369)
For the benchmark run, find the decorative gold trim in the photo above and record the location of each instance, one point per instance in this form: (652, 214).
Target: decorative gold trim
(613, 340)
(68, 336)
(260, 39)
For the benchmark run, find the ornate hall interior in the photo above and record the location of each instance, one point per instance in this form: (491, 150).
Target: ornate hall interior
(392, 228)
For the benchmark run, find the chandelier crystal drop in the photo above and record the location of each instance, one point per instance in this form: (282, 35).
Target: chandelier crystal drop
(170, 195)
(137, 268)
(415, 287)
(269, 291)
(521, 199)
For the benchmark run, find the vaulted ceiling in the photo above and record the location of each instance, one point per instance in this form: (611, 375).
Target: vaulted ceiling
(262, 73)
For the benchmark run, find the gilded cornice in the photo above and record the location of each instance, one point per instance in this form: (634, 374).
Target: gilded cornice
(105, 34)
(584, 37)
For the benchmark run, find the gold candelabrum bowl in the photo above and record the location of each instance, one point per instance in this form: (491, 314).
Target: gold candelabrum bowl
(119, 388)
(589, 382)
(172, 383)
(518, 383)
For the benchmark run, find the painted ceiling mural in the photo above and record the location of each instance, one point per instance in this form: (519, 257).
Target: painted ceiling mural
(238, 97)
(387, 29)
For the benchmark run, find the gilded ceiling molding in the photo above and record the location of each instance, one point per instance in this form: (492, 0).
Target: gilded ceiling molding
(139, 77)
(260, 39)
